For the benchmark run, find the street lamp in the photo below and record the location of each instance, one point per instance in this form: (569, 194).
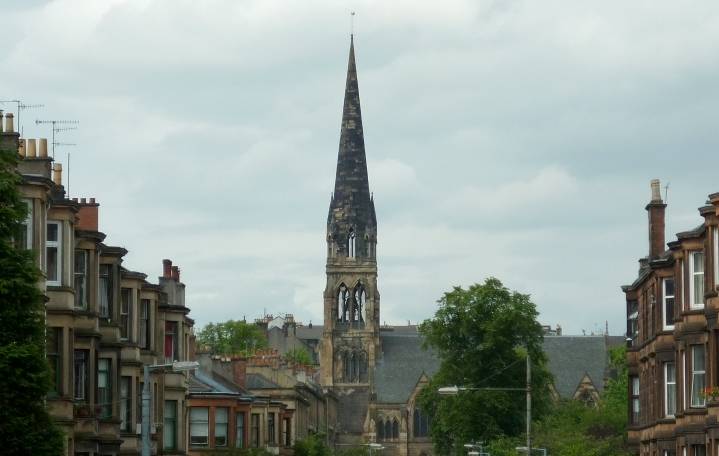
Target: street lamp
(454, 390)
(177, 366)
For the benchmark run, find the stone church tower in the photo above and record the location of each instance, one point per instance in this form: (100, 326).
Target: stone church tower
(350, 340)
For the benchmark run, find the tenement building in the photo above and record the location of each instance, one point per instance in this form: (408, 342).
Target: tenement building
(673, 338)
(104, 322)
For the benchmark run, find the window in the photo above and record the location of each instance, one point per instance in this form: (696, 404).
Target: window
(23, 240)
(380, 430)
(125, 313)
(221, 417)
(395, 429)
(286, 434)
(104, 387)
(144, 323)
(54, 358)
(169, 428)
(421, 423)
(696, 275)
(716, 256)
(699, 450)
(632, 321)
(343, 302)
(271, 428)
(351, 244)
(255, 430)
(105, 289)
(240, 430)
(125, 403)
(670, 389)
(81, 378)
(668, 297)
(635, 399)
(199, 426)
(171, 347)
(80, 279)
(698, 376)
(53, 253)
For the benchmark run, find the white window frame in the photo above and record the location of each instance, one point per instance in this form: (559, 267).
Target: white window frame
(58, 245)
(667, 384)
(664, 302)
(692, 277)
(694, 372)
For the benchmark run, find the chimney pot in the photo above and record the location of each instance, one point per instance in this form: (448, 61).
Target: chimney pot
(167, 269)
(83, 201)
(21, 145)
(57, 174)
(9, 123)
(656, 195)
(176, 273)
(92, 200)
(30, 151)
(75, 200)
(42, 152)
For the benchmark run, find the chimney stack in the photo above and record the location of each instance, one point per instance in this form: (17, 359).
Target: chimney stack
(87, 215)
(30, 150)
(176, 273)
(166, 269)
(20, 146)
(239, 371)
(57, 173)
(9, 124)
(655, 210)
(42, 152)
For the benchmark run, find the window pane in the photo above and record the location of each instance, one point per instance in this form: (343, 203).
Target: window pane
(125, 404)
(668, 287)
(698, 262)
(51, 258)
(221, 426)
(240, 431)
(199, 426)
(169, 429)
(698, 358)
(52, 232)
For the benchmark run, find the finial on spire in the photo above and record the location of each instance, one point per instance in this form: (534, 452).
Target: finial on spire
(352, 25)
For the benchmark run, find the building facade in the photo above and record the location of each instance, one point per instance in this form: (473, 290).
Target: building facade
(673, 338)
(104, 322)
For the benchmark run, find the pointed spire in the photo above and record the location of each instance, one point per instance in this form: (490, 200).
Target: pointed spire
(351, 182)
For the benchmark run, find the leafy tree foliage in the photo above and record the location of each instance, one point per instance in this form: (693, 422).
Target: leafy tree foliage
(482, 335)
(299, 356)
(312, 445)
(574, 429)
(232, 337)
(25, 426)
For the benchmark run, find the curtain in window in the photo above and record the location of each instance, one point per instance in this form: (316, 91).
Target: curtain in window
(221, 417)
(199, 426)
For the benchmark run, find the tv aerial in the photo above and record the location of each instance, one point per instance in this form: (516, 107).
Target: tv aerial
(58, 126)
(20, 107)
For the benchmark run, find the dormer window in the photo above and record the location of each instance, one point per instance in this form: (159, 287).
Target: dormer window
(351, 244)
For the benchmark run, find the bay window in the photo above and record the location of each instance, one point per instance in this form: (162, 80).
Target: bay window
(698, 376)
(221, 423)
(240, 430)
(199, 426)
(668, 300)
(80, 274)
(696, 277)
(169, 429)
(81, 361)
(104, 387)
(670, 390)
(53, 253)
(105, 290)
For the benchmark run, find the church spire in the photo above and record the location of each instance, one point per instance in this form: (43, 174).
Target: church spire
(352, 213)
(351, 182)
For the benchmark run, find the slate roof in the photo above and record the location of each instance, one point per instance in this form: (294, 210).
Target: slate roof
(258, 381)
(204, 382)
(402, 363)
(570, 357)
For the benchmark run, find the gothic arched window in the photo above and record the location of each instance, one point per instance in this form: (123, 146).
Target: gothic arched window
(388, 429)
(359, 303)
(395, 429)
(420, 423)
(380, 429)
(343, 296)
(351, 244)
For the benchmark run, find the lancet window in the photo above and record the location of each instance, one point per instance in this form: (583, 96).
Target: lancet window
(420, 424)
(351, 244)
(343, 303)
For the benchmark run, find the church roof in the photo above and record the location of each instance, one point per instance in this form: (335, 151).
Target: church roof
(401, 365)
(571, 357)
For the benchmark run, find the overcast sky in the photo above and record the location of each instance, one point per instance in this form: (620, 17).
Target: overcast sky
(506, 138)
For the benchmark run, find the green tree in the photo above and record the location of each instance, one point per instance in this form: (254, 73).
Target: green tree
(25, 425)
(482, 335)
(312, 445)
(299, 356)
(232, 337)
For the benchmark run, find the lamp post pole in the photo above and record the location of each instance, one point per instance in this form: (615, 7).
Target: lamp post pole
(529, 405)
(177, 366)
